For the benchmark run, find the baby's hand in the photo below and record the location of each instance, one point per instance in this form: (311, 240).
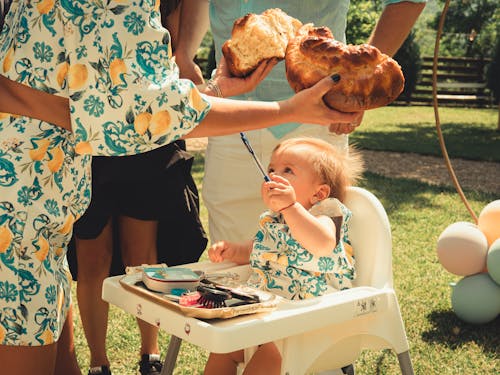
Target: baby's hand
(278, 193)
(221, 251)
(234, 252)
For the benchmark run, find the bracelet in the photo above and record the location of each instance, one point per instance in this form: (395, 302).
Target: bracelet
(284, 208)
(214, 87)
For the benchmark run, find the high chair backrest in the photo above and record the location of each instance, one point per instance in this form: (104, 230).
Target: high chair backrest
(370, 234)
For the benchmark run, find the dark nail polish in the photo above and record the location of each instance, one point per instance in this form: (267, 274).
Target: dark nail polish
(335, 77)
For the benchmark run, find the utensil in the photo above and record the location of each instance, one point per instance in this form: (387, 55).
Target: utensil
(257, 161)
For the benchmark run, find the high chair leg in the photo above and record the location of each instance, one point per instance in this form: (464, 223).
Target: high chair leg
(171, 356)
(405, 363)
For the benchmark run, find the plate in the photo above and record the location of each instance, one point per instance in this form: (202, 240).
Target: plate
(164, 279)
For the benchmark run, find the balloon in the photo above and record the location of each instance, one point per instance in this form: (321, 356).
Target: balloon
(462, 249)
(476, 299)
(493, 261)
(489, 221)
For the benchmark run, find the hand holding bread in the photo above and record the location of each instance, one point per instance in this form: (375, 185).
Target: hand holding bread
(258, 37)
(369, 78)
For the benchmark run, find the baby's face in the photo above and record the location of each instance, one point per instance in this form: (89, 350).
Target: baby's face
(293, 164)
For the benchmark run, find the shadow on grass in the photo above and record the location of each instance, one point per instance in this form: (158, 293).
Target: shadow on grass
(397, 192)
(466, 141)
(448, 330)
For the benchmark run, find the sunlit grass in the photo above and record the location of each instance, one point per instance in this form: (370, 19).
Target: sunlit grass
(469, 133)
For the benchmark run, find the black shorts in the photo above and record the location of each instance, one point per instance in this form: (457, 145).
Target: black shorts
(138, 186)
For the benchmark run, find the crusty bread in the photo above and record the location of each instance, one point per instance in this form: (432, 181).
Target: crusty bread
(368, 78)
(257, 37)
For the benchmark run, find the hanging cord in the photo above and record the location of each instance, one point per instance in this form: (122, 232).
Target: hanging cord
(436, 113)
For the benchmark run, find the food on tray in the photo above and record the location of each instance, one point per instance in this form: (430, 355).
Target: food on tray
(257, 37)
(368, 78)
(240, 300)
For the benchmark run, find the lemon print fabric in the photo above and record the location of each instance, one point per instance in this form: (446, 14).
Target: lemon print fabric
(44, 187)
(282, 266)
(113, 61)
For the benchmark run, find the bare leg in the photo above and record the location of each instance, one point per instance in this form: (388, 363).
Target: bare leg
(223, 364)
(138, 245)
(66, 363)
(28, 360)
(266, 360)
(94, 260)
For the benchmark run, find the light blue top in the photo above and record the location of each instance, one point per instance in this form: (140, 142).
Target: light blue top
(333, 14)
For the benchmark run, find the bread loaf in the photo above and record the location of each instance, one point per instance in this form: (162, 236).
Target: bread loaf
(368, 78)
(257, 37)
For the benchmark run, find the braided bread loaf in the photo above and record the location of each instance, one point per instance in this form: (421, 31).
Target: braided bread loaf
(369, 78)
(257, 37)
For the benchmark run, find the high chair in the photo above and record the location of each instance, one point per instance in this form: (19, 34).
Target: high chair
(314, 335)
(372, 321)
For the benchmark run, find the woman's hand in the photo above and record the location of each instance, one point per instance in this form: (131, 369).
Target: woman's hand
(342, 128)
(232, 86)
(278, 194)
(188, 68)
(307, 106)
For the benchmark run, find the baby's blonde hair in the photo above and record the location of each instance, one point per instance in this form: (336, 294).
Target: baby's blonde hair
(338, 169)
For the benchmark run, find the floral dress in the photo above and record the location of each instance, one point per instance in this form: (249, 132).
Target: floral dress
(282, 266)
(112, 60)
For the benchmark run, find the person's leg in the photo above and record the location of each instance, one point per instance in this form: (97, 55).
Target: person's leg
(28, 360)
(138, 245)
(266, 360)
(66, 363)
(223, 364)
(94, 259)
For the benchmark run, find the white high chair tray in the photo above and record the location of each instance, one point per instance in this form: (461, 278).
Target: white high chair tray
(289, 319)
(133, 283)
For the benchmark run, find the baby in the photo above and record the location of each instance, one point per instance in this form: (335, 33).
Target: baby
(302, 248)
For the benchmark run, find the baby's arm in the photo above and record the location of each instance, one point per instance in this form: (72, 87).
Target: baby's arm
(315, 234)
(231, 251)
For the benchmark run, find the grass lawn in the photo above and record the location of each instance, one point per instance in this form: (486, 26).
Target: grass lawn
(468, 133)
(439, 342)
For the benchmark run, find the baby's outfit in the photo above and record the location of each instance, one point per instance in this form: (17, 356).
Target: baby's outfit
(282, 266)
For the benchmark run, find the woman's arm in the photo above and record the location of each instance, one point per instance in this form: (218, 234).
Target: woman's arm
(394, 25)
(193, 25)
(228, 116)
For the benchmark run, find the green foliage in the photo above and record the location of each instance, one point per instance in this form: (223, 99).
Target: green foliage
(408, 56)
(361, 19)
(471, 28)
(493, 76)
(205, 56)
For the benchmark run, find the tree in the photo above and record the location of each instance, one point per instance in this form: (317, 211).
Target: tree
(361, 19)
(408, 56)
(471, 28)
(494, 78)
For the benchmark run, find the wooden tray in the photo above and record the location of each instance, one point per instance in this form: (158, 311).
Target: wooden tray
(133, 283)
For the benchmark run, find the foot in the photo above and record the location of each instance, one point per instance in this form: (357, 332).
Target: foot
(150, 364)
(99, 370)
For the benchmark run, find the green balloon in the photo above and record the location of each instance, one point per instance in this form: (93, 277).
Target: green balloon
(476, 299)
(493, 261)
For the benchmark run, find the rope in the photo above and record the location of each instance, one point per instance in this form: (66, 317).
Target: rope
(436, 114)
